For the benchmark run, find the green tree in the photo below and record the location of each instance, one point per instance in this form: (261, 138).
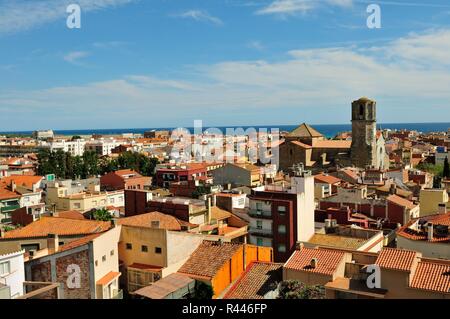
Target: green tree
(203, 291)
(446, 169)
(102, 214)
(76, 137)
(292, 289)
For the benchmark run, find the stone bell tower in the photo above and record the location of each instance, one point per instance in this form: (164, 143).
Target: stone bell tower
(364, 130)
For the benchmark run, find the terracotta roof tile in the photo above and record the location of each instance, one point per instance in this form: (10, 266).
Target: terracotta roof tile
(256, 281)
(400, 201)
(71, 214)
(396, 259)
(59, 226)
(328, 179)
(327, 260)
(106, 279)
(434, 276)
(78, 242)
(145, 220)
(208, 258)
(21, 180)
(332, 144)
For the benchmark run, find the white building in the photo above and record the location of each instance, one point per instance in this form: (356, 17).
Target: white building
(76, 147)
(12, 275)
(102, 146)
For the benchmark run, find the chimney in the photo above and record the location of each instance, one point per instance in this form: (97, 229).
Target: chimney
(442, 208)
(430, 231)
(13, 186)
(52, 243)
(393, 189)
(208, 205)
(313, 263)
(155, 224)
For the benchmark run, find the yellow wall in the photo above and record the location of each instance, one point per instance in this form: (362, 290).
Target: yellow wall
(430, 200)
(143, 236)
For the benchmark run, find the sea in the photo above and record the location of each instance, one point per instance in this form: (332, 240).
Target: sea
(328, 130)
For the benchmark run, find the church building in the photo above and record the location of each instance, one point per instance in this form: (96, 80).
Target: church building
(308, 146)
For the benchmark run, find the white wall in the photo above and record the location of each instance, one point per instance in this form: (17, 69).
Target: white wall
(16, 276)
(304, 186)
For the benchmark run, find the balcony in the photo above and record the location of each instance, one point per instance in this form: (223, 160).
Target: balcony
(260, 232)
(260, 214)
(10, 208)
(118, 295)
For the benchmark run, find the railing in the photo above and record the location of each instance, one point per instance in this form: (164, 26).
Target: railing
(260, 232)
(118, 295)
(260, 214)
(10, 208)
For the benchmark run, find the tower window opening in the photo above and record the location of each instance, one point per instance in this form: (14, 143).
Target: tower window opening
(361, 110)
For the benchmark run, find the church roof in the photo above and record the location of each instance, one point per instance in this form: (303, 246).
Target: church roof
(304, 130)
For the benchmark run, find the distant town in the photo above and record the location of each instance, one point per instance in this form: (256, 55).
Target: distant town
(251, 214)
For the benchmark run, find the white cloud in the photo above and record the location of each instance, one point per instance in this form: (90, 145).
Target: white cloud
(200, 15)
(406, 76)
(291, 7)
(255, 45)
(20, 15)
(75, 56)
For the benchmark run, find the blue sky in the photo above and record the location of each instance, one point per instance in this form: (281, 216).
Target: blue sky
(163, 63)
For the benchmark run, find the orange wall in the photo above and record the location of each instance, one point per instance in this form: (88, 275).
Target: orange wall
(234, 267)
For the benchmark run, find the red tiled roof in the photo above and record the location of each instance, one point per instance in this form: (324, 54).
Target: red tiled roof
(256, 281)
(21, 180)
(78, 242)
(106, 279)
(440, 219)
(400, 201)
(327, 179)
(327, 260)
(59, 226)
(71, 214)
(332, 144)
(7, 194)
(396, 259)
(208, 258)
(434, 276)
(145, 220)
(302, 145)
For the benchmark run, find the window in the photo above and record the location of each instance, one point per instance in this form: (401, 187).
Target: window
(281, 248)
(282, 210)
(144, 248)
(129, 246)
(259, 241)
(258, 206)
(281, 229)
(5, 268)
(111, 253)
(96, 263)
(259, 224)
(104, 258)
(158, 250)
(77, 205)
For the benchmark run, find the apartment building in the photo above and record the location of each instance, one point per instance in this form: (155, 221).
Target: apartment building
(281, 216)
(74, 147)
(124, 179)
(344, 273)
(93, 259)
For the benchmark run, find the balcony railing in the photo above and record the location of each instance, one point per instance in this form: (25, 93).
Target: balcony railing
(118, 295)
(260, 214)
(10, 208)
(260, 232)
